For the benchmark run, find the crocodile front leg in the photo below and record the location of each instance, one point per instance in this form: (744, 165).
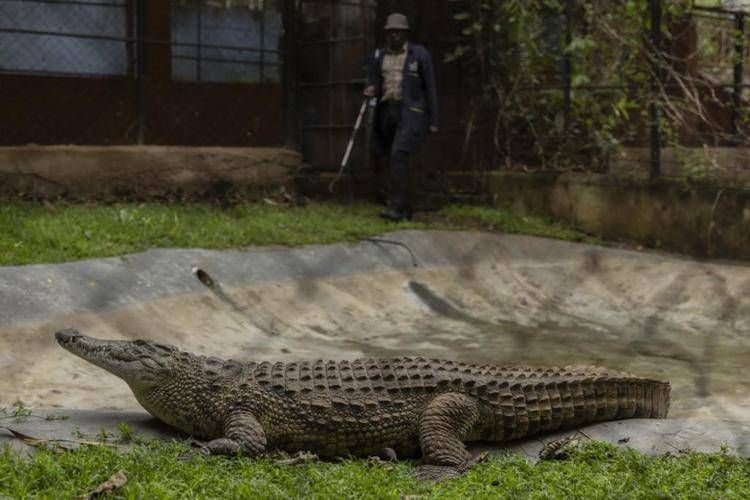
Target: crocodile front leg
(242, 434)
(444, 424)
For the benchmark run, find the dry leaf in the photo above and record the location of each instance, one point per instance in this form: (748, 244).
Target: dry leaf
(115, 481)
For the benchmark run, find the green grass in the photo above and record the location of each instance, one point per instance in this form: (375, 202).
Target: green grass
(154, 470)
(31, 233)
(509, 222)
(36, 233)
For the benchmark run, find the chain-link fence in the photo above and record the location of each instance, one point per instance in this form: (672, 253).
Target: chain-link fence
(533, 84)
(132, 71)
(646, 87)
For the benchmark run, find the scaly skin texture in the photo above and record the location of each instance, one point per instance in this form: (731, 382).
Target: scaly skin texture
(361, 407)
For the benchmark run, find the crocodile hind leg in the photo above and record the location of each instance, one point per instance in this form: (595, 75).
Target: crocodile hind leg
(446, 421)
(243, 434)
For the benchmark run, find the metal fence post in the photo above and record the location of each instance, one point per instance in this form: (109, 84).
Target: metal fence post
(199, 42)
(567, 64)
(654, 111)
(140, 70)
(739, 50)
(289, 72)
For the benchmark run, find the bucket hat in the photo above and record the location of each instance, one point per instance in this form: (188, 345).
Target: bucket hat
(396, 22)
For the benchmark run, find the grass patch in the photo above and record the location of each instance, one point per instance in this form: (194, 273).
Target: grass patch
(35, 233)
(154, 470)
(505, 220)
(32, 233)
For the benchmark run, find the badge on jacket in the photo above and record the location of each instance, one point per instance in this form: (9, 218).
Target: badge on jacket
(414, 66)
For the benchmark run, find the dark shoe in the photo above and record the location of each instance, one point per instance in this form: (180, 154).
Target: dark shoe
(393, 214)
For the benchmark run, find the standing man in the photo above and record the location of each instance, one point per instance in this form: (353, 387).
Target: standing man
(403, 81)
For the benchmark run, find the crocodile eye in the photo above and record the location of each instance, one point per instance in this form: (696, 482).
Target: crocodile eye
(164, 347)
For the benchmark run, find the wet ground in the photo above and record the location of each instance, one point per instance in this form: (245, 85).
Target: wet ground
(472, 296)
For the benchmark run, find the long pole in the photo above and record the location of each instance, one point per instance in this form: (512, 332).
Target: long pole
(350, 145)
(199, 38)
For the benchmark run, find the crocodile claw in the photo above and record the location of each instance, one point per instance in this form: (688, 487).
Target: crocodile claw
(387, 455)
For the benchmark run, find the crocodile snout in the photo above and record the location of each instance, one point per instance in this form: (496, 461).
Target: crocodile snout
(67, 336)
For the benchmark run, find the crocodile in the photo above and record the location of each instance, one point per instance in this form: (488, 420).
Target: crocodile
(365, 406)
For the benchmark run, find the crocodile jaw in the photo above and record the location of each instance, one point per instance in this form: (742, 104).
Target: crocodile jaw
(133, 361)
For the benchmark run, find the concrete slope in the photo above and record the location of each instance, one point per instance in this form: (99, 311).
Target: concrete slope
(473, 296)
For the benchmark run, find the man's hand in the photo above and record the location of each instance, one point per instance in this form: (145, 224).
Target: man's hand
(369, 91)
(433, 129)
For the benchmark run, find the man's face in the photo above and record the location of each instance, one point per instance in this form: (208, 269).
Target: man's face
(395, 38)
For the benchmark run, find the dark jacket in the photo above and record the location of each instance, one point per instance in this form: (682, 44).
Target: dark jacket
(419, 94)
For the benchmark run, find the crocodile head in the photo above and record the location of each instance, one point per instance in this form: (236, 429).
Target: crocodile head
(140, 363)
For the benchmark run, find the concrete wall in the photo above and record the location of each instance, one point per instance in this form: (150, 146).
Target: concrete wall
(141, 172)
(673, 215)
(721, 165)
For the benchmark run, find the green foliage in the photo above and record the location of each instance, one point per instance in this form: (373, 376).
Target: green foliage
(156, 470)
(126, 433)
(524, 59)
(698, 166)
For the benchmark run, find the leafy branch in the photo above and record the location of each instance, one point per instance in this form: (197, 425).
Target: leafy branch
(561, 100)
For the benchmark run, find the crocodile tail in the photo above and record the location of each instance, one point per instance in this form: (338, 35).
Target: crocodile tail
(625, 395)
(566, 398)
(643, 398)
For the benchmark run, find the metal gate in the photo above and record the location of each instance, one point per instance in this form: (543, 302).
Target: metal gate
(334, 42)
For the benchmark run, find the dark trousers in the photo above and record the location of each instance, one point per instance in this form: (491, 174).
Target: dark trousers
(399, 175)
